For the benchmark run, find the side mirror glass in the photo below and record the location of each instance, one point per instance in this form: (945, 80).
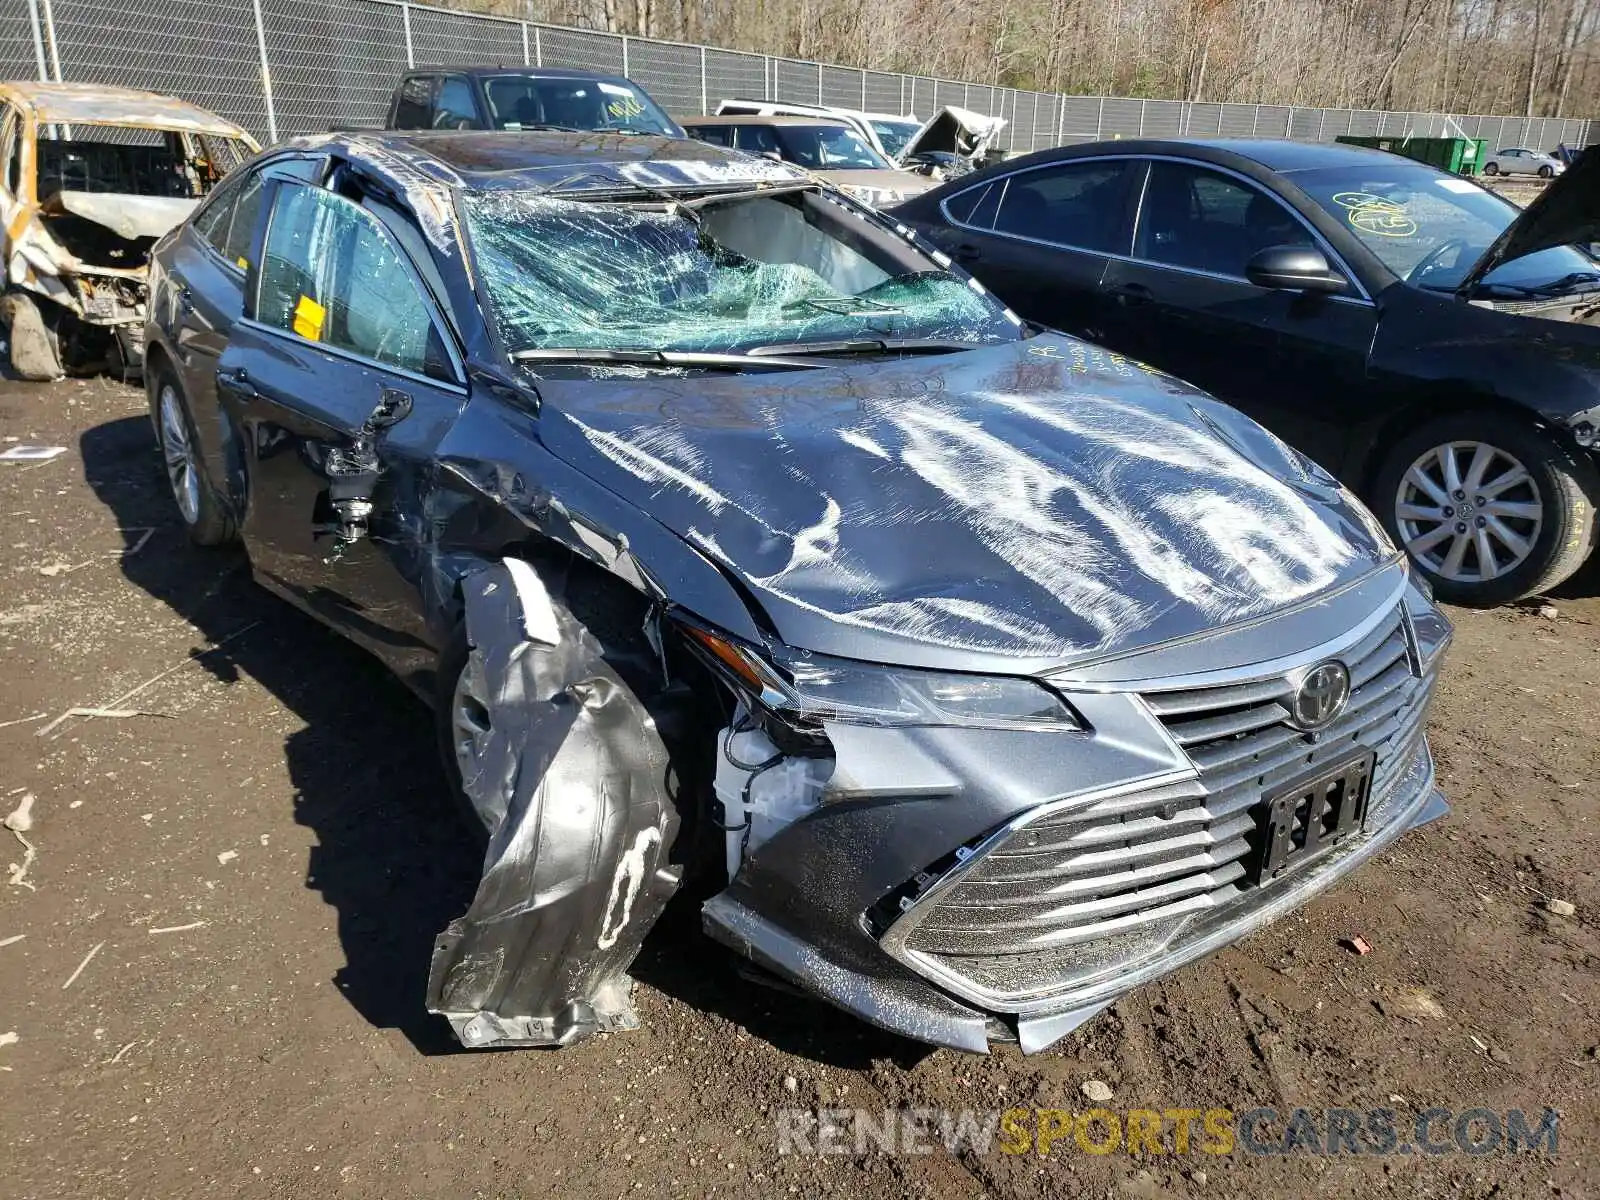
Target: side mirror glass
(1294, 269)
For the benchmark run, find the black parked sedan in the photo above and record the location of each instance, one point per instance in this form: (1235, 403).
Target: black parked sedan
(977, 675)
(1420, 337)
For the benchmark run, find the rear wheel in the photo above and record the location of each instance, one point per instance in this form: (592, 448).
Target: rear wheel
(1490, 507)
(205, 516)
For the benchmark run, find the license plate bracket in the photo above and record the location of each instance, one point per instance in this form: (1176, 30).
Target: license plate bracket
(1299, 820)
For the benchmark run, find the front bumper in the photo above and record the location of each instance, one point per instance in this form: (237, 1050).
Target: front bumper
(966, 886)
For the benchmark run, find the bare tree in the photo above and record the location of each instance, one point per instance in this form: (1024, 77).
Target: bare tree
(1536, 57)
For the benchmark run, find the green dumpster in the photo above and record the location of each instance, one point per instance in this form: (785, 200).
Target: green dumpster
(1459, 156)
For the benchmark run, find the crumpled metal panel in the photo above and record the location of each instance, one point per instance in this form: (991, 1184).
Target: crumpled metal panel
(573, 785)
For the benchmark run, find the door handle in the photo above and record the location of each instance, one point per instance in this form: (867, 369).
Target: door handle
(966, 252)
(1133, 293)
(237, 380)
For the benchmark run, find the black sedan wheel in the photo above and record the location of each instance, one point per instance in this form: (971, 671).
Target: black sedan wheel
(1489, 508)
(204, 514)
(462, 724)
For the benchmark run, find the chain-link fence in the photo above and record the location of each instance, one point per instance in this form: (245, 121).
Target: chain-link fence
(281, 67)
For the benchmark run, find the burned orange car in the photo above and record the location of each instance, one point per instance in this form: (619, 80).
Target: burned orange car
(90, 177)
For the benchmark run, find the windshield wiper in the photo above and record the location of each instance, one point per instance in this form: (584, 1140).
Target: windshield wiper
(1567, 283)
(848, 346)
(641, 356)
(1576, 281)
(848, 306)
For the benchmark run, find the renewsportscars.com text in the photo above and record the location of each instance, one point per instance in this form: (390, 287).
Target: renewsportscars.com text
(1168, 1131)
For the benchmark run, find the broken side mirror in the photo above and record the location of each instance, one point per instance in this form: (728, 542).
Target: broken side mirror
(353, 471)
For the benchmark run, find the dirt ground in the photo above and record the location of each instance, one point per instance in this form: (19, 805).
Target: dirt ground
(214, 966)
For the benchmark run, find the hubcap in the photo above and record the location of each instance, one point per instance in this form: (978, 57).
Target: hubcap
(469, 717)
(182, 472)
(1469, 511)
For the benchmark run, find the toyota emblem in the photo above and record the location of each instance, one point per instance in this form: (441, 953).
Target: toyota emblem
(1321, 697)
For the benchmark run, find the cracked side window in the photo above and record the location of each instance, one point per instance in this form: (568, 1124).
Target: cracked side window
(331, 274)
(241, 230)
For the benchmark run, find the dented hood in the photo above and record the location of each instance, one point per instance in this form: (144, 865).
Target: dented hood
(955, 131)
(1024, 505)
(1566, 213)
(126, 216)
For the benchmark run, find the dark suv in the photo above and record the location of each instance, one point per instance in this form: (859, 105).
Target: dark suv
(514, 98)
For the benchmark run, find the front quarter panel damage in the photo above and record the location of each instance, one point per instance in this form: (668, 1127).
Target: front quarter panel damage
(574, 782)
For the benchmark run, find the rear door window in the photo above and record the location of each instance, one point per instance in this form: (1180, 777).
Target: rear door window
(416, 99)
(1080, 204)
(212, 221)
(976, 206)
(331, 274)
(242, 225)
(717, 135)
(229, 220)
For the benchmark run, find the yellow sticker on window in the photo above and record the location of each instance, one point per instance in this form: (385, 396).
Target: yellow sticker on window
(244, 263)
(308, 319)
(1376, 215)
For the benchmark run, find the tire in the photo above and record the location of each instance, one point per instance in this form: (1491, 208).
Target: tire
(1491, 168)
(1537, 527)
(35, 353)
(1547, 171)
(205, 514)
(453, 660)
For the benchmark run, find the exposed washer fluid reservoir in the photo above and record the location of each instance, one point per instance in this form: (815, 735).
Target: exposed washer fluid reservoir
(762, 789)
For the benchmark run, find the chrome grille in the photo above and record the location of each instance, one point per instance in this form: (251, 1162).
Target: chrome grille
(1135, 867)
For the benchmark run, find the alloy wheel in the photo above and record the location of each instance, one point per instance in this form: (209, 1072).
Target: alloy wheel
(1468, 511)
(178, 450)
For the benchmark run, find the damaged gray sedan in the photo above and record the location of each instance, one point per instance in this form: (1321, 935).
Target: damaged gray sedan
(973, 675)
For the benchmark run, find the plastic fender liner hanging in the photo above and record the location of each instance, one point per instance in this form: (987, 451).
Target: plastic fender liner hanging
(572, 783)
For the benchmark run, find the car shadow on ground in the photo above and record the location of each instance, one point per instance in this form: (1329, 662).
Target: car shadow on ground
(391, 859)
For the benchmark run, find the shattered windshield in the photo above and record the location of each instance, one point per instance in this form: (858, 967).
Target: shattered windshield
(527, 101)
(1430, 229)
(736, 274)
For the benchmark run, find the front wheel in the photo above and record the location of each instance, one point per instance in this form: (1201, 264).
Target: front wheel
(1546, 171)
(1490, 507)
(462, 724)
(1490, 168)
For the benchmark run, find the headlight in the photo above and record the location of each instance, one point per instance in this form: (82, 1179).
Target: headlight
(814, 687)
